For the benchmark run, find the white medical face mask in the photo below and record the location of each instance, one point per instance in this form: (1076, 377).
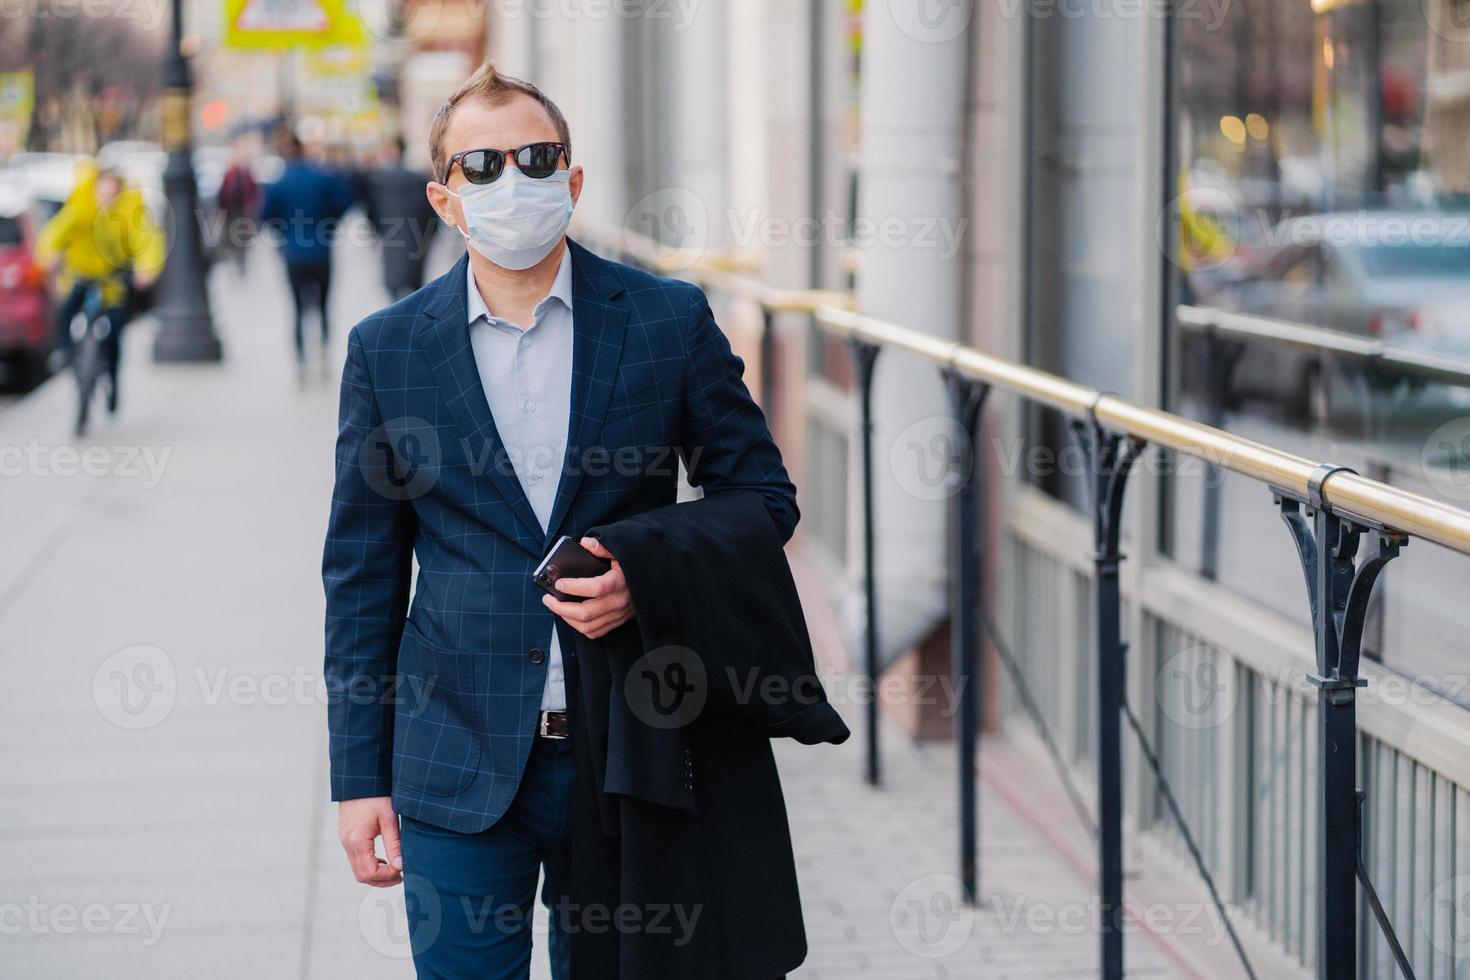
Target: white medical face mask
(516, 221)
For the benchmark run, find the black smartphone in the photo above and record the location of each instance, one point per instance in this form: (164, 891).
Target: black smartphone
(568, 559)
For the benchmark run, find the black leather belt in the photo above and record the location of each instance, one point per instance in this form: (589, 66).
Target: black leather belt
(554, 725)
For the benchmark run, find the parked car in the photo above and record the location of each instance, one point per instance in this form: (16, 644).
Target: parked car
(47, 178)
(25, 299)
(1402, 278)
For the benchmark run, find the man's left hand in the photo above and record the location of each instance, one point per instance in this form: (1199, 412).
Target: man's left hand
(607, 605)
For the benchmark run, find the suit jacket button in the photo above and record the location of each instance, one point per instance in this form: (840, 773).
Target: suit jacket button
(538, 655)
(689, 787)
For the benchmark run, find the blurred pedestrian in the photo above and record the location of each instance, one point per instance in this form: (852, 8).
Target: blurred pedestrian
(103, 237)
(239, 199)
(305, 207)
(405, 221)
(343, 160)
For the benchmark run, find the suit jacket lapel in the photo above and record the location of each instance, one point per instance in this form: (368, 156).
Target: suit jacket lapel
(444, 338)
(598, 326)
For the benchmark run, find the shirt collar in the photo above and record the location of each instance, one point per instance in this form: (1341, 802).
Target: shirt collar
(561, 289)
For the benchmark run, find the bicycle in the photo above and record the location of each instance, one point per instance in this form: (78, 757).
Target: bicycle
(92, 329)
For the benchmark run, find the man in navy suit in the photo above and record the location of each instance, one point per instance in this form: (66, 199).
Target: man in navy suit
(533, 391)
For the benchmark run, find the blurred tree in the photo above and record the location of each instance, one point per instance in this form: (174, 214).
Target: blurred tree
(96, 80)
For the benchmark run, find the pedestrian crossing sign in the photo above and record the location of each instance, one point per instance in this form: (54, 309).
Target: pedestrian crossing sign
(282, 24)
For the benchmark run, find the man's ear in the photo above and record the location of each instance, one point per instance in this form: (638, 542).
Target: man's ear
(444, 203)
(574, 183)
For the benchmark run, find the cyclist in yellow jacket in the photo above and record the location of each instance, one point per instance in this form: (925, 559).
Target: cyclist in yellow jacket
(103, 235)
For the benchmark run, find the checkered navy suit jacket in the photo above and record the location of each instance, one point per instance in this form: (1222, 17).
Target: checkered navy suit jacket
(435, 701)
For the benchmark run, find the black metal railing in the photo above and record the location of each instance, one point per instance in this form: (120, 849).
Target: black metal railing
(1328, 510)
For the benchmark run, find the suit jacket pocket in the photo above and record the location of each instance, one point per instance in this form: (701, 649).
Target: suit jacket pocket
(636, 396)
(435, 750)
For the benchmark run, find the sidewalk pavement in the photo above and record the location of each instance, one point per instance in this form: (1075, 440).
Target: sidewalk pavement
(162, 735)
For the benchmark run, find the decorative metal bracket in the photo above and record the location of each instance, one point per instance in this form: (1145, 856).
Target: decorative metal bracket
(1109, 457)
(1337, 582)
(966, 397)
(864, 356)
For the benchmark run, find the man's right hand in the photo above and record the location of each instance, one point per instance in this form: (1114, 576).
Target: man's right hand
(359, 824)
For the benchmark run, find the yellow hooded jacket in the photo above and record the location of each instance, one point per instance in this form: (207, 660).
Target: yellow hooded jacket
(102, 243)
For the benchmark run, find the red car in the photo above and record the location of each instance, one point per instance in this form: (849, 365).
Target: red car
(25, 300)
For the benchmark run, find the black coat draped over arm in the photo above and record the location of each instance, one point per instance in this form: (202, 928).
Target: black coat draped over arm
(679, 815)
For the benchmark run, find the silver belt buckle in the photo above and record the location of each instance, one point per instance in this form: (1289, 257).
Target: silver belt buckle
(543, 729)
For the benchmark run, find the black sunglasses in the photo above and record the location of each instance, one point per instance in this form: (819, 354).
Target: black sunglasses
(539, 160)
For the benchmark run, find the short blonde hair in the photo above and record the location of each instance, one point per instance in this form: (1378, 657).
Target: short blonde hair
(489, 85)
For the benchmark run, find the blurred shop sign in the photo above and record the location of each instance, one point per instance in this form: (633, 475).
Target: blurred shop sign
(338, 101)
(336, 78)
(282, 24)
(17, 100)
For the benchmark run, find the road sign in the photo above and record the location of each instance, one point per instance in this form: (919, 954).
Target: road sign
(17, 94)
(277, 25)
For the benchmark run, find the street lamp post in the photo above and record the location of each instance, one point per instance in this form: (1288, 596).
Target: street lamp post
(185, 330)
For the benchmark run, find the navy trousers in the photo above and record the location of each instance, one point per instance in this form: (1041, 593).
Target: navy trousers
(310, 284)
(470, 896)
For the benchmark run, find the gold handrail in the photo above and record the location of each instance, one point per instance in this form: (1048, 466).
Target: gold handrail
(1344, 491)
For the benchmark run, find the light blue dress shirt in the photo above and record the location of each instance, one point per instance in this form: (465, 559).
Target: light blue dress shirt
(527, 376)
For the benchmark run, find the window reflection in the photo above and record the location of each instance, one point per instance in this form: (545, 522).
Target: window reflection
(1321, 246)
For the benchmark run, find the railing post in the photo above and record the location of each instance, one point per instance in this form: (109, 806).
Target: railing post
(768, 360)
(864, 354)
(967, 398)
(1109, 458)
(1339, 589)
(1217, 367)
